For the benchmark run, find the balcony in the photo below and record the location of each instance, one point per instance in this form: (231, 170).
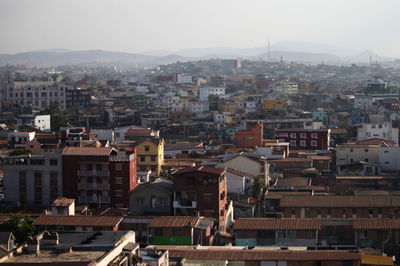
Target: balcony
(184, 203)
(93, 186)
(82, 173)
(97, 200)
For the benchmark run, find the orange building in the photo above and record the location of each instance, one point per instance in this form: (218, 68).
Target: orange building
(252, 136)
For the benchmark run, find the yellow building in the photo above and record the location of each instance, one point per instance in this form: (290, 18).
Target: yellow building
(230, 107)
(150, 155)
(269, 104)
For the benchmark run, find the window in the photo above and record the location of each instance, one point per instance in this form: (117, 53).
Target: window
(158, 232)
(380, 126)
(118, 193)
(366, 150)
(303, 135)
(146, 148)
(176, 232)
(140, 201)
(293, 135)
(366, 160)
(83, 167)
(142, 158)
(37, 161)
(303, 143)
(53, 162)
(351, 150)
(153, 158)
(163, 201)
(104, 167)
(118, 166)
(118, 180)
(314, 143)
(314, 135)
(293, 143)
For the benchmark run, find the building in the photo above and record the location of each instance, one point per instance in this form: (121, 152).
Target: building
(238, 182)
(270, 104)
(199, 107)
(276, 232)
(78, 97)
(203, 191)
(304, 139)
(153, 119)
(19, 139)
(77, 223)
(77, 248)
(286, 87)
(63, 206)
(98, 176)
(376, 86)
(205, 92)
(41, 122)
(181, 230)
(389, 158)
(383, 131)
(33, 178)
(150, 154)
(182, 78)
(36, 94)
(151, 198)
(252, 136)
(333, 206)
(351, 153)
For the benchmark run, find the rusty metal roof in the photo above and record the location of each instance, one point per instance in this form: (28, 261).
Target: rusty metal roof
(62, 202)
(78, 220)
(174, 221)
(258, 255)
(340, 201)
(276, 224)
(377, 223)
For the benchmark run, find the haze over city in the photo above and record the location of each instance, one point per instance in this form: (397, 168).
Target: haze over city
(163, 27)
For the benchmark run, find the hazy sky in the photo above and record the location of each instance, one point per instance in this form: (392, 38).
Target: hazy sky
(143, 25)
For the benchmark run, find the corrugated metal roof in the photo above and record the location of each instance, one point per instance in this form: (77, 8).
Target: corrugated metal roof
(276, 224)
(105, 151)
(77, 220)
(174, 221)
(340, 201)
(258, 255)
(378, 223)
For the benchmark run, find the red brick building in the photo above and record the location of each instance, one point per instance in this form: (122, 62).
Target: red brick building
(251, 136)
(98, 176)
(304, 139)
(203, 191)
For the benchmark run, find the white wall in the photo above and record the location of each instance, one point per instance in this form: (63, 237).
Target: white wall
(389, 158)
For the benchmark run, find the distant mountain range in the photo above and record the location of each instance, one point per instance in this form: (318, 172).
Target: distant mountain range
(287, 51)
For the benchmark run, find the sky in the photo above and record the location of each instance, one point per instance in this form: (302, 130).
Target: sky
(147, 25)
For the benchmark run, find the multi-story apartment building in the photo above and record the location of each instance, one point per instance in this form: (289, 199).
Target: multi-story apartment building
(98, 176)
(36, 94)
(33, 178)
(201, 190)
(378, 131)
(199, 107)
(77, 97)
(205, 92)
(251, 136)
(150, 154)
(305, 139)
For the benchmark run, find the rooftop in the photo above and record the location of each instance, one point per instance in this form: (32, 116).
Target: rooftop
(276, 224)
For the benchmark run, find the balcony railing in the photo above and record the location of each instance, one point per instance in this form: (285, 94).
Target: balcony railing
(184, 204)
(93, 186)
(82, 173)
(103, 199)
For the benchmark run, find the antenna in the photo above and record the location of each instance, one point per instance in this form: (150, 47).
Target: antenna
(269, 52)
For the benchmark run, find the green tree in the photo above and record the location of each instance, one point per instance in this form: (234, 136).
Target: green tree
(20, 225)
(258, 186)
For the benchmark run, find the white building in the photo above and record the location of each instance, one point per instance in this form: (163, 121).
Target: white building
(205, 92)
(183, 78)
(287, 87)
(382, 130)
(199, 107)
(33, 178)
(389, 158)
(353, 153)
(238, 182)
(42, 122)
(20, 139)
(36, 94)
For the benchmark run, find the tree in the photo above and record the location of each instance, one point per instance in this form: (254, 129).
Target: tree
(20, 225)
(258, 186)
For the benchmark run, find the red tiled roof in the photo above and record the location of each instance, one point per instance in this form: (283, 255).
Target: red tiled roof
(81, 220)
(102, 151)
(276, 224)
(62, 202)
(204, 169)
(258, 255)
(379, 223)
(174, 221)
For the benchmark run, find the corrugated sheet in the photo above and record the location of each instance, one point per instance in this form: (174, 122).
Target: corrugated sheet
(76, 220)
(174, 221)
(276, 224)
(340, 201)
